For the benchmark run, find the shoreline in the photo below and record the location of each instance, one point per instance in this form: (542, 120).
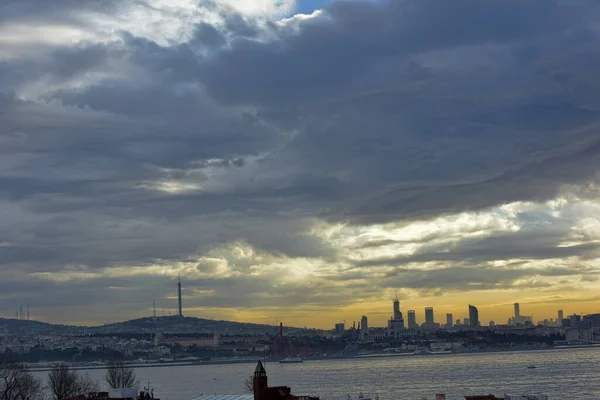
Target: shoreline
(33, 368)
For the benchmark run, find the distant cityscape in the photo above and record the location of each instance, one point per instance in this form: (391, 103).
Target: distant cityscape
(180, 339)
(396, 325)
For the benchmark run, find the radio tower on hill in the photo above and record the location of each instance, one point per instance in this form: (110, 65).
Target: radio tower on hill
(179, 297)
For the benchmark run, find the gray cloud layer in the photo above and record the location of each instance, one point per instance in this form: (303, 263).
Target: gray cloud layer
(370, 112)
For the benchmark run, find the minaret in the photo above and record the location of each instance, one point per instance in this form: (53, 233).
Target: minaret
(259, 382)
(179, 297)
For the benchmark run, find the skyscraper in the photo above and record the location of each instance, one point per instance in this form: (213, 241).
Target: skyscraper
(412, 319)
(561, 316)
(448, 320)
(517, 312)
(364, 327)
(364, 323)
(397, 313)
(473, 316)
(396, 323)
(429, 316)
(180, 306)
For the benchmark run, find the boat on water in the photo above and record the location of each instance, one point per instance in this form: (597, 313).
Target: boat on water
(531, 366)
(291, 360)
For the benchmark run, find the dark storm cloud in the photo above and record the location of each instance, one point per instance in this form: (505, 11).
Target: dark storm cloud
(339, 49)
(438, 140)
(479, 278)
(371, 112)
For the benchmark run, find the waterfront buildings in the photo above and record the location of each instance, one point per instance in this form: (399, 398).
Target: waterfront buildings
(448, 321)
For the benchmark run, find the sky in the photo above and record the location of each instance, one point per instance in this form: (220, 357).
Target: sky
(302, 162)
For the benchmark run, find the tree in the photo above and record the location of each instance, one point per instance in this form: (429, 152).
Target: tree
(16, 383)
(86, 384)
(119, 375)
(63, 382)
(249, 384)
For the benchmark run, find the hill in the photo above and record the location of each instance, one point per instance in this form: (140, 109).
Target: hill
(18, 326)
(171, 324)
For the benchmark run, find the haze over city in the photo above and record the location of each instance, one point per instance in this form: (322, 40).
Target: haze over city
(299, 161)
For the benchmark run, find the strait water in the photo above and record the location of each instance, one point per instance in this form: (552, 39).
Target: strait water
(562, 374)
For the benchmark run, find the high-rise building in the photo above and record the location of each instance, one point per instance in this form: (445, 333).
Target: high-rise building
(473, 316)
(561, 316)
(396, 323)
(340, 327)
(429, 316)
(448, 320)
(466, 322)
(574, 320)
(517, 312)
(364, 326)
(397, 313)
(179, 304)
(412, 319)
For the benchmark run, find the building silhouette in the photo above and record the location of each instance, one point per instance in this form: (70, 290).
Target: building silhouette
(473, 316)
(262, 391)
(396, 322)
(448, 320)
(412, 319)
(429, 316)
(364, 326)
(397, 313)
(179, 303)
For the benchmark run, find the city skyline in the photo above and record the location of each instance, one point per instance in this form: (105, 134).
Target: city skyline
(376, 318)
(305, 161)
